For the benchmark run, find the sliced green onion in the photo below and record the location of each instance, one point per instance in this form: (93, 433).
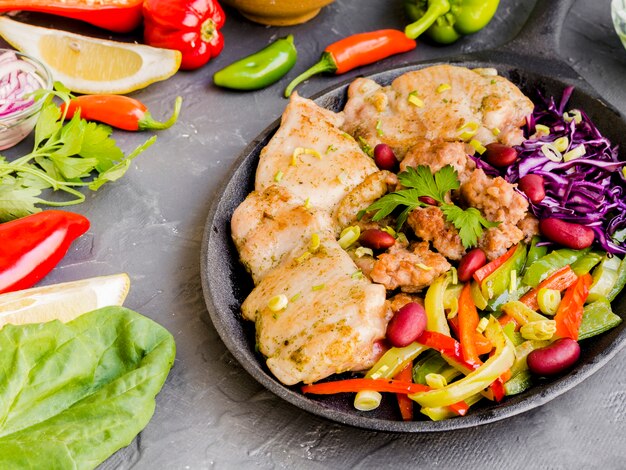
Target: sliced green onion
(576, 152)
(469, 130)
(278, 176)
(379, 131)
(548, 300)
(482, 325)
(455, 276)
(435, 380)
(574, 115)
(540, 130)
(480, 148)
(414, 100)
(318, 287)
(358, 274)
(304, 256)
(303, 151)
(551, 153)
(295, 297)
(495, 131)
(367, 400)
(349, 235)
(278, 303)
(443, 87)
(513, 283)
(539, 330)
(423, 267)
(314, 244)
(389, 230)
(331, 148)
(561, 144)
(362, 251)
(307, 203)
(402, 238)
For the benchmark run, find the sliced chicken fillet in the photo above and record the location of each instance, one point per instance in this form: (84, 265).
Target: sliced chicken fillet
(331, 323)
(312, 157)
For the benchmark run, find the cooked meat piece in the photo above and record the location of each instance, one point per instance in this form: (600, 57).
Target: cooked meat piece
(494, 197)
(430, 225)
(401, 299)
(529, 225)
(438, 154)
(365, 193)
(331, 323)
(495, 241)
(385, 114)
(411, 269)
(269, 224)
(331, 165)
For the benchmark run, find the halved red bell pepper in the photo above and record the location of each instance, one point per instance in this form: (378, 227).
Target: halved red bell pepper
(569, 315)
(31, 246)
(119, 16)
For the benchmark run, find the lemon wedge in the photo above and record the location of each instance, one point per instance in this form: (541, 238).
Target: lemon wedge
(89, 65)
(64, 301)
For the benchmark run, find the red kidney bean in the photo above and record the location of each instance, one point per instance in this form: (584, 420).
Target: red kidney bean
(384, 157)
(428, 200)
(533, 186)
(376, 239)
(472, 260)
(568, 234)
(499, 155)
(554, 358)
(407, 325)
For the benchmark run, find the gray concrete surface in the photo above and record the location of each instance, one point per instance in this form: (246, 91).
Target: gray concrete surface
(210, 413)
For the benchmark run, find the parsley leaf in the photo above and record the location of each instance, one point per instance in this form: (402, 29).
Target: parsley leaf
(421, 182)
(469, 223)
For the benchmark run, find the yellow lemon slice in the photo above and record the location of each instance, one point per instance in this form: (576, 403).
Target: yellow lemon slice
(90, 65)
(64, 301)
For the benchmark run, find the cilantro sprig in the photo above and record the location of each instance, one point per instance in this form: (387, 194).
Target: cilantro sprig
(421, 182)
(66, 156)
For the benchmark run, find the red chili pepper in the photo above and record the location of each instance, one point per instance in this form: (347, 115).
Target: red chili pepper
(482, 273)
(31, 246)
(569, 315)
(404, 402)
(189, 26)
(118, 111)
(355, 51)
(560, 280)
(120, 16)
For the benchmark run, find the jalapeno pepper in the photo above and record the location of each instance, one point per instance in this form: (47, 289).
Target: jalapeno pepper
(445, 21)
(355, 51)
(260, 69)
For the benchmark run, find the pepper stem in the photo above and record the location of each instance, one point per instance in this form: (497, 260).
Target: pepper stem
(436, 8)
(147, 123)
(326, 64)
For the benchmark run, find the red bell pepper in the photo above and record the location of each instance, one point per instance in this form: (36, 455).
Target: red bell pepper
(481, 273)
(189, 26)
(404, 402)
(560, 280)
(119, 16)
(569, 315)
(31, 246)
(358, 385)
(468, 321)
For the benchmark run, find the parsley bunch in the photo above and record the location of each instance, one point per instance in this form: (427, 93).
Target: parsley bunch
(66, 156)
(421, 182)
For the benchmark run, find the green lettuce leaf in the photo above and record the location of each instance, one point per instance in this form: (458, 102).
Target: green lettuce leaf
(72, 394)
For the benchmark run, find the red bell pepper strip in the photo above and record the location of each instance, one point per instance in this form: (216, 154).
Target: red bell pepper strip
(357, 385)
(404, 402)
(560, 280)
(119, 16)
(31, 246)
(468, 321)
(481, 273)
(118, 111)
(189, 26)
(355, 51)
(483, 345)
(569, 315)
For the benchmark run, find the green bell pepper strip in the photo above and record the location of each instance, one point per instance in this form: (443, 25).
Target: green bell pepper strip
(550, 263)
(620, 283)
(478, 379)
(598, 317)
(535, 252)
(604, 278)
(434, 305)
(518, 383)
(445, 21)
(433, 363)
(499, 281)
(586, 263)
(260, 69)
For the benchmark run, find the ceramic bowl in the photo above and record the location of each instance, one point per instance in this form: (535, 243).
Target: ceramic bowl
(278, 12)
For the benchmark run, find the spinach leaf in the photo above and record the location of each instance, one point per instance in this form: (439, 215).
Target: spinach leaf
(72, 394)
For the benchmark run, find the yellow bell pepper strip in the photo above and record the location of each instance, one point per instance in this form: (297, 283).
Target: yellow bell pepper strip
(598, 317)
(468, 321)
(477, 380)
(559, 280)
(521, 353)
(550, 263)
(444, 412)
(570, 313)
(434, 305)
(497, 283)
(405, 404)
(604, 278)
(522, 313)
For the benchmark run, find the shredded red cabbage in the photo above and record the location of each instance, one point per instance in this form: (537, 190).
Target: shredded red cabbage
(588, 190)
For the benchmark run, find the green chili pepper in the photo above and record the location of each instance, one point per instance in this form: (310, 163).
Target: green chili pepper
(598, 317)
(604, 278)
(260, 69)
(445, 21)
(549, 263)
(499, 281)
